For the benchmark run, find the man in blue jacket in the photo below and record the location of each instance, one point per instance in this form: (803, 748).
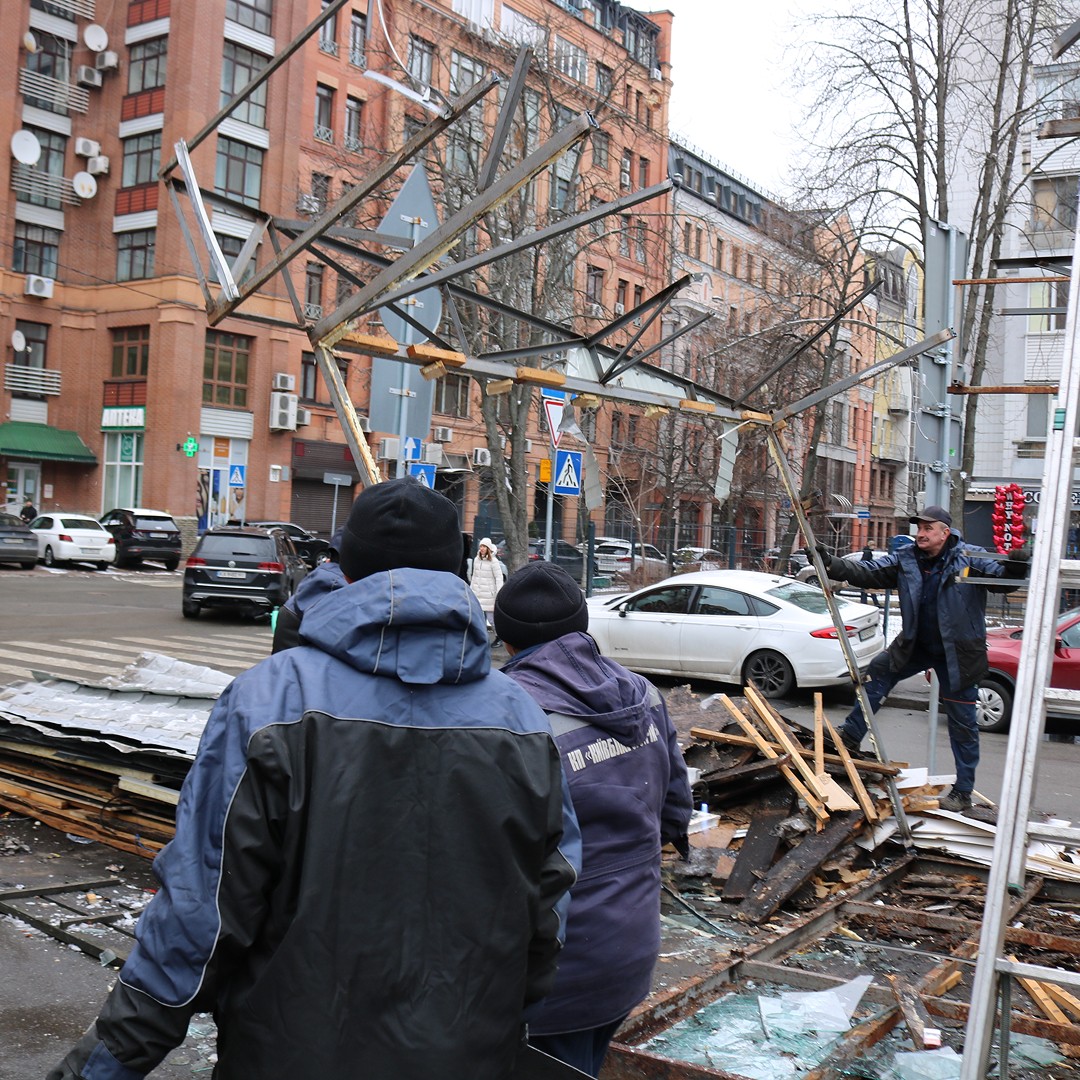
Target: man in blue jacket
(631, 794)
(943, 628)
(370, 857)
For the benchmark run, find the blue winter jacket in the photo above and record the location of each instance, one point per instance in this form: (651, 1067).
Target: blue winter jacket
(631, 794)
(961, 606)
(367, 866)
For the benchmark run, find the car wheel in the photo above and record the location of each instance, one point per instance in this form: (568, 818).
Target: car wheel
(813, 580)
(770, 673)
(993, 709)
(190, 609)
(171, 564)
(49, 559)
(102, 566)
(28, 565)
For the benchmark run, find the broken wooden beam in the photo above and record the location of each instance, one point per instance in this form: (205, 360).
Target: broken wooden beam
(912, 1008)
(864, 765)
(759, 847)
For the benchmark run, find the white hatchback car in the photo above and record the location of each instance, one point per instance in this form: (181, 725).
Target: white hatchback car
(73, 538)
(615, 557)
(734, 626)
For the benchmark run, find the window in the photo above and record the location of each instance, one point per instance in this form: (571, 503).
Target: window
(1038, 412)
(324, 113)
(123, 468)
(560, 192)
(605, 80)
(522, 30)
(625, 228)
(1048, 295)
(146, 65)
(37, 185)
(238, 67)
(672, 600)
(616, 429)
(37, 338)
(254, 14)
(311, 381)
(37, 250)
(358, 40)
(421, 61)
(328, 33)
(686, 237)
(713, 600)
(313, 290)
(239, 170)
(465, 72)
(601, 149)
(625, 167)
(594, 285)
(643, 172)
(130, 352)
(52, 60)
(620, 294)
(1054, 203)
(354, 114)
(142, 159)
(225, 369)
(320, 190)
(641, 233)
(571, 60)
(135, 254)
(452, 395)
(639, 295)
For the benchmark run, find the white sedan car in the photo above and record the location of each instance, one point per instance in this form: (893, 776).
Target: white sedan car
(73, 538)
(734, 626)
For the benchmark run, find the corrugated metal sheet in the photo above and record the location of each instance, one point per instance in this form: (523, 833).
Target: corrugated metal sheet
(40, 442)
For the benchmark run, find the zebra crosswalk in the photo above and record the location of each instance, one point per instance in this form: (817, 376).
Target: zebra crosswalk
(229, 650)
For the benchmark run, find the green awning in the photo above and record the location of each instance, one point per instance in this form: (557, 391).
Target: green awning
(40, 442)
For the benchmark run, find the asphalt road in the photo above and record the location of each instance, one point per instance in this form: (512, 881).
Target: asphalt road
(80, 621)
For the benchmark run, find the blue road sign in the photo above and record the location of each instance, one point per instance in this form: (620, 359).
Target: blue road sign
(236, 476)
(551, 392)
(413, 449)
(424, 472)
(567, 472)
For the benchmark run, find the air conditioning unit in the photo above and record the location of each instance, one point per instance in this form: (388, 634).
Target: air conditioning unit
(106, 61)
(97, 166)
(35, 285)
(481, 455)
(444, 434)
(282, 381)
(303, 417)
(87, 148)
(363, 424)
(656, 75)
(307, 203)
(283, 412)
(528, 446)
(388, 449)
(620, 309)
(433, 453)
(88, 76)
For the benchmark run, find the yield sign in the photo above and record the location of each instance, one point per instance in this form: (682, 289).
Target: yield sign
(554, 410)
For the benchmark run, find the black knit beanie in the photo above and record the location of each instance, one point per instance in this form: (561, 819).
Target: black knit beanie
(400, 523)
(540, 602)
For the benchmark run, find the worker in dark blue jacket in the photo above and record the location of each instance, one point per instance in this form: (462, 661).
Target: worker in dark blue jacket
(943, 628)
(373, 845)
(631, 793)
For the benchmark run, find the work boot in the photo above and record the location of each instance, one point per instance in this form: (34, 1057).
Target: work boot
(850, 741)
(956, 801)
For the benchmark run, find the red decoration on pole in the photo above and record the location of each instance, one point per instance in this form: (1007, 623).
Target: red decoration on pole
(1008, 518)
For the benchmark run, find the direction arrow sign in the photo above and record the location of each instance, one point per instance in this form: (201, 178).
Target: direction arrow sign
(567, 472)
(554, 410)
(236, 476)
(413, 449)
(424, 472)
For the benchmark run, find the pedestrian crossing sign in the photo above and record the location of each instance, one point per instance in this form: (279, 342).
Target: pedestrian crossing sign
(236, 476)
(424, 472)
(567, 472)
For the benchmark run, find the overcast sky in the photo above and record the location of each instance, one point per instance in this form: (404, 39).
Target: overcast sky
(732, 97)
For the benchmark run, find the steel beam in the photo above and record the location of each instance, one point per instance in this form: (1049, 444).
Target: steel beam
(506, 117)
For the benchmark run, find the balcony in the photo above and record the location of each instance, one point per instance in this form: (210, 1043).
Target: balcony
(313, 311)
(20, 379)
(357, 58)
(83, 9)
(328, 45)
(41, 188)
(354, 144)
(324, 134)
(56, 95)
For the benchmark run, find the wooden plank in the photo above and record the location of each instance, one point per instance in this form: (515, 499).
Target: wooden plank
(148, 790)
(862, 796)
(836, 798)
(1063, 998)
(784, 739)
(759, 847)
(719, 836)
(797, 866)
(912, 1008)
(816, 808)
(1038, 992)
(866, 765)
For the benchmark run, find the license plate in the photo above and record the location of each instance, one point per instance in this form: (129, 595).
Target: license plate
(89, 551)
(11, 540)
(159, 536)
(866, 633)
(231, 574)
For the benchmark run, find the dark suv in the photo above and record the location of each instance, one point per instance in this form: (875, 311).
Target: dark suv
(253, 569)
(143, 534)
(308, 546)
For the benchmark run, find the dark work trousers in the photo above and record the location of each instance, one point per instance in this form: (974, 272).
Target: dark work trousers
(584, 1050)
(959, 707)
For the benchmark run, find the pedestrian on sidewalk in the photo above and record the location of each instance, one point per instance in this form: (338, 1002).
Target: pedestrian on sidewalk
(486, 578)
(630, 789)
(943, 628)
(373, 845)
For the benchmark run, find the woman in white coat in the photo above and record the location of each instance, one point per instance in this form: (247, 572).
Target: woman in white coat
(487, 577)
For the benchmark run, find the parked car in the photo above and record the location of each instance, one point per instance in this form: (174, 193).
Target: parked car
(309, 547)
(733, 626)
(143, 534)
(697, 558)
(17, 543)
(564, 554)
(255, 570)
(615, 557)
(1003, 647)
(809, 573)
(72, 538)
(797, 561)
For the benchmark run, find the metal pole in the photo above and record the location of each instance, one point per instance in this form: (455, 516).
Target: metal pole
(932, 726)
(406, 373)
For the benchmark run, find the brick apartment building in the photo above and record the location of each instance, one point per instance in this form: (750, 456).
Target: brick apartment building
(110, 363)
